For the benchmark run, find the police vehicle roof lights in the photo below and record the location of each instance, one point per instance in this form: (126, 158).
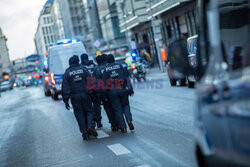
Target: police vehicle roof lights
(66, 41)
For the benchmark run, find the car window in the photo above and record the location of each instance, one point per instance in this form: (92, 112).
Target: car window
(5, 83)
(234, 19)
(192, 46)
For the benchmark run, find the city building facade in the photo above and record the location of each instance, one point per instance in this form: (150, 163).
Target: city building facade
(56, 14)
(70, 20)
(45, 34)
(19, 65)
(92, 26)
(5, 66)
(172, 19)
(114, 41)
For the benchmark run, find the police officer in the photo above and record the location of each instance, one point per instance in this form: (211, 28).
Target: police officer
(105, 100)
(121, 88)
(90, 66)
(74, 88)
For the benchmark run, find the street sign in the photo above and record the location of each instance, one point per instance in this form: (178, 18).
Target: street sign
(97, 43)
(98, 53)
(33, 58)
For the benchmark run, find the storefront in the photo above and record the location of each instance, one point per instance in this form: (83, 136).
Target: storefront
(179, 22)
(143, 36)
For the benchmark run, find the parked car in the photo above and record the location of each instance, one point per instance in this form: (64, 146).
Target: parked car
(223, 102)
(177, 53)
(192, 59)
(46, 87)
(6, 85)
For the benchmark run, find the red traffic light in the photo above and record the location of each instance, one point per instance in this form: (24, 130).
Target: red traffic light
(37, 62)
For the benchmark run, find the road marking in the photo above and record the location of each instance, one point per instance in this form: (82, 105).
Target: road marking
(146, 165)
(101, 134)
(118, 149)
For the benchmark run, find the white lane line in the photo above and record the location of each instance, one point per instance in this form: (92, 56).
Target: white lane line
(146, 165)
(101, 134)
(118, 149)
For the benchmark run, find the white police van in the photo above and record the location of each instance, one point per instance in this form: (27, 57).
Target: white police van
(58, 62)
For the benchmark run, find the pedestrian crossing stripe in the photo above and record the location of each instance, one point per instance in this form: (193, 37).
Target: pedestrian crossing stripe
(101, 134)
(118, 149)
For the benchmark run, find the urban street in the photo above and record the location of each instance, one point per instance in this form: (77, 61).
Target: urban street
(38, 131)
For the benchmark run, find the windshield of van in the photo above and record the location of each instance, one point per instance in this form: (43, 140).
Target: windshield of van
(235, 32)
(59, 58)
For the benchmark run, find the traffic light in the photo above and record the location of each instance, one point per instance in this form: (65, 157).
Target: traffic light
(37, 62)
(38, 70)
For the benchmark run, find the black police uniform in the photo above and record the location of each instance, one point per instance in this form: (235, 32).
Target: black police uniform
(105, 100)
(90, 66)
(74, 88)
(119, 94)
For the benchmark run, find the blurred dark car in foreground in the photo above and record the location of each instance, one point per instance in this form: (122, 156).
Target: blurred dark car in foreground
(222, 115)
(223, 106)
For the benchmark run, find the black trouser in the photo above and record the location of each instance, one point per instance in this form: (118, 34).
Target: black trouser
(83, 111)
(97, 107)
(120, 104)
(108, 109)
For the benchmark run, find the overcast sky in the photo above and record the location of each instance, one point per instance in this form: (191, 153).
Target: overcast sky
(18, 20)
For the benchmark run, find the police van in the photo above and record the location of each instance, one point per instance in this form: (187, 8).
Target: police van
(58, 62)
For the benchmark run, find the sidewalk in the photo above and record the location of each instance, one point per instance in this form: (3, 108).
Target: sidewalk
(157, 73)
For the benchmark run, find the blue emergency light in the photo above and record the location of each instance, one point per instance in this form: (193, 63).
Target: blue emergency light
(66, 41)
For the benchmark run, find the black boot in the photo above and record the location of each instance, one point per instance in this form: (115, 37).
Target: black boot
(114, 128)
(123, 130)
(131, 126)
(85, 137)
(93, 132)
(99, 125)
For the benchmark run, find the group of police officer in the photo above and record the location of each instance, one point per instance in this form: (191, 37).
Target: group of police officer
(87, 101)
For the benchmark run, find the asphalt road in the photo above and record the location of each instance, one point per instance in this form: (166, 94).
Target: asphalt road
(37, 131)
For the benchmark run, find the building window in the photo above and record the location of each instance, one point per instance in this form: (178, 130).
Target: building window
(51, 39)
(46, 29)
(50, 31)
(48, 20)
(43, 31)
(44, 20)
(48, 39)
(45, 40)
